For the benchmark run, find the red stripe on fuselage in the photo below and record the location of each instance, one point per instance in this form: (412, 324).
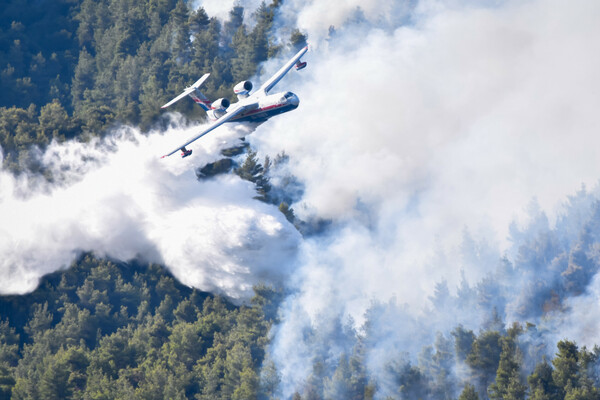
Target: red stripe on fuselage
(253, 112)
(258, 110)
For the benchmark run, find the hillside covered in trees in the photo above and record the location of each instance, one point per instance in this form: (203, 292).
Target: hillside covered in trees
(72, 68)
(113, 330)
(109, 329)
(505, 336)
(106, 330)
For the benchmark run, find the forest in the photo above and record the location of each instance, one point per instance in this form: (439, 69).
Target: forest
(74, 68)
(497, 338)
(107, 329)
(115, 329)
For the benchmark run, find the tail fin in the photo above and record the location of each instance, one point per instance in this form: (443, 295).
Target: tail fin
(195, 94)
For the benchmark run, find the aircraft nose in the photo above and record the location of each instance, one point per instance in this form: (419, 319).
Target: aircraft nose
(294, 100)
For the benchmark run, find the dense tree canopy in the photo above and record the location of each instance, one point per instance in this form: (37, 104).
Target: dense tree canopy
(74, 66)
(113, 330)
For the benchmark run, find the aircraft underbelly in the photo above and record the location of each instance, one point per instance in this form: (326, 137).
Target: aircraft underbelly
(265, 113)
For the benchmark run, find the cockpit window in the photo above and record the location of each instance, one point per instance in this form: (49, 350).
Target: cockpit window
(289, 95)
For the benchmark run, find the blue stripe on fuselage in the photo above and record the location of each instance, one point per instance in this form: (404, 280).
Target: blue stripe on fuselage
(264, 115)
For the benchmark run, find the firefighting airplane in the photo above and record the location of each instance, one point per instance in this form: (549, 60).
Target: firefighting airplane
(256, 107)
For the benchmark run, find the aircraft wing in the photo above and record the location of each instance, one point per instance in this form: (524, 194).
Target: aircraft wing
(230, 114)
(187, 90)
(268, 85)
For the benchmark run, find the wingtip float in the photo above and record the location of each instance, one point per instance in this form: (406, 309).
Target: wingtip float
(254, 107)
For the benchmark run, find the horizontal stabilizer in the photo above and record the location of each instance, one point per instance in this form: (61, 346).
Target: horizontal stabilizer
(188, 90)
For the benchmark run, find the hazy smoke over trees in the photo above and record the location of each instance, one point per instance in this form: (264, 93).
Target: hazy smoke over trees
(426, 130)
(117, 198)
(434, 147)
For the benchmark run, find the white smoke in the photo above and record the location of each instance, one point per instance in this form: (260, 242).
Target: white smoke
(406, 137)
(420, 124)
(116, 197)
(316, 18)
(221, 8)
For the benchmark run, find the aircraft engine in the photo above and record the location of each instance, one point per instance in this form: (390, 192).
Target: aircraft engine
(220, 104)
(243, 88)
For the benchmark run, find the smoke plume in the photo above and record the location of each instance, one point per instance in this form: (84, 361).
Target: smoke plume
(116, 197)
(434, 139)
(423, 132)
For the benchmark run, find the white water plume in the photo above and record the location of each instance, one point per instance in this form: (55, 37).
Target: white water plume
(424, 129)
(117, 198)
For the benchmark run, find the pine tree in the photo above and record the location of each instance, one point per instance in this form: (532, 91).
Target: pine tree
(508, 385)
(254, 172)
(260, 34)
(339, 386)
(199, 20)
(585, 388)
(565, 366)
(484, 358)
(298, 40)
(179, 23)
(541, 384)
(236, 20)
(55, 382)
(287, 211)
(9, 345)
(7, 381)
(469, 393)
(463, 342)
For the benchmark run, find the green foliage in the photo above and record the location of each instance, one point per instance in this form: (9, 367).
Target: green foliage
(218, 167)
(565, 366)
(469, 393)
(541, 384)
(411, 381)
(105, 330)
(287, 211)
(102, 330)
(298, 39)
(281, 194)
(7, 381)
(438, 363)
(9, 345)
(508, 385)
(463, 342)
(73, 67)
(252, 170)
(484, 357)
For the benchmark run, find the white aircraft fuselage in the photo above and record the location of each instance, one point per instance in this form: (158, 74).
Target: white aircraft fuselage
(269, 106)
(250, 107)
